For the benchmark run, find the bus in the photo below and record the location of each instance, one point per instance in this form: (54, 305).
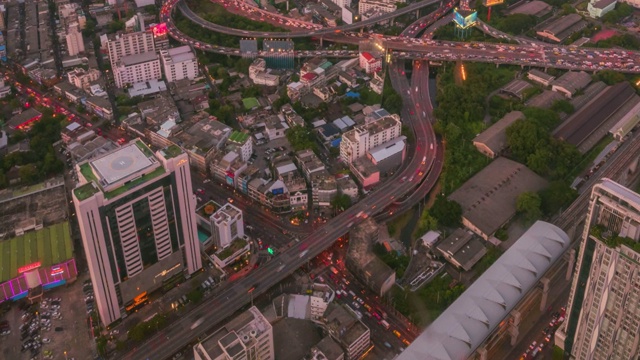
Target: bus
(385, 324)
(137, 302)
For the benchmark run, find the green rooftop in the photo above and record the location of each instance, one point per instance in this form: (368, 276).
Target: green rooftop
(235, 245)
(250, 103)
(85, 191)
(50, 245)
(87, 171)
(145, 150)
(171, 151)
(238, 137)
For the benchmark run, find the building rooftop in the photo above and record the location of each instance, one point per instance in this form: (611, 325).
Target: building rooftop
(48, 246)
(206, 134)
(130, 60)
(24, 117)
(516, 88)
(580, 125)
(293, 338)
(238, 137)
(229, 338)
(388, 149)
(467, 323)
(535, 8)
(601, 4)
(495, 137)
(561, 24)
(488, 199)
(178, 54)
(120, 164)
(538, 73)
(147, 87)
(329, 348)
(572, 81)
(464, 247)
(545, 99)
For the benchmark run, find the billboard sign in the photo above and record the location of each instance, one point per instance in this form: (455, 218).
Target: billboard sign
(277, 191)
(463, 20)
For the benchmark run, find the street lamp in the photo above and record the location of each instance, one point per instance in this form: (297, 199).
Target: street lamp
(65, 355)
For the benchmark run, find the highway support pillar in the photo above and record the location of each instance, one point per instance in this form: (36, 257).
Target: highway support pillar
(482, 351)
(391, 21)
(418, 14)
(570, 264)
(514, 326)
(545, 293)
(321, 42)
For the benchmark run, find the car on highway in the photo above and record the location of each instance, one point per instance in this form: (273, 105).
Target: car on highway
(302, 254)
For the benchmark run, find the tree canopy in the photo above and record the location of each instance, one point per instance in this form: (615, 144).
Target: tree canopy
(301, 138)
(529, 204)
(447, 212)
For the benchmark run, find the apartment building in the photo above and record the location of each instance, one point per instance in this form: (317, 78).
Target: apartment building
(357, 141)
(132, 43)
(247, 336)
(75, 42)
(603, 311)
(385, 6)
(136, 214)
(179, 63)
(137, 68)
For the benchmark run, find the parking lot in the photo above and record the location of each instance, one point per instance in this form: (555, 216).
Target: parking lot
(53, 329)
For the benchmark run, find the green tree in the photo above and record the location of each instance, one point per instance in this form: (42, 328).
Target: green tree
(447, 212)
(568, 9)
(609, 77)
(341, 202)
(300, 138)
(557, 195)
(529, 204)
(28, 173)
(562, 105)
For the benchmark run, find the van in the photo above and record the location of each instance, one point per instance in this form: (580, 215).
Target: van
(352, 293)
(211, 280)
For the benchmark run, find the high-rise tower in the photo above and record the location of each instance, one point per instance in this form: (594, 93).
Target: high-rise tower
(603, 314)
(136, 213)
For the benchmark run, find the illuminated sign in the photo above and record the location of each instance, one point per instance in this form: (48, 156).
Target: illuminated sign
(492, 2)
(57, 270)
(181, 162)
(165, 272)
(31, 266)
(159, 29)
(463, 21)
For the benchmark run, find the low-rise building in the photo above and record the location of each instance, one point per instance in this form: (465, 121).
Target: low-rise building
(540, 77)
(462, 249)
(488, 199)
(82, 78)
(598, 8)
(571, 82)
(493, 140)
(561, 28)
(347, 330)
(358, 141)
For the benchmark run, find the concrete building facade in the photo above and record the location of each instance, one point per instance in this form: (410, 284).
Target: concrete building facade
(227, 224)
(137, 68)
(179, 63)
(356, 142)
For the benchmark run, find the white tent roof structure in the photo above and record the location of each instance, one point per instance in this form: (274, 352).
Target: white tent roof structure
(467, 323)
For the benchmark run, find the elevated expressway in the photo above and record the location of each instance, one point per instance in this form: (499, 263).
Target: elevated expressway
(527, 53)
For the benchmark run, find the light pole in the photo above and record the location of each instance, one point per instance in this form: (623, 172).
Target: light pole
(65, 355)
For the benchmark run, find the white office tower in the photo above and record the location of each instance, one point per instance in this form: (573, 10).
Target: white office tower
(75, 43)
(249, 336)
(179, 63)
(124, 44)
(603, 313)
(136, 216)
(227, 225)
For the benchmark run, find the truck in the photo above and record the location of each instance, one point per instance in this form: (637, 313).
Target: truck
(385, 324)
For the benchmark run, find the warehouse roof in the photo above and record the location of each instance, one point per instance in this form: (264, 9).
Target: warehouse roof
(495, 137)
(469, 321)
(488, 199)
(585, 121)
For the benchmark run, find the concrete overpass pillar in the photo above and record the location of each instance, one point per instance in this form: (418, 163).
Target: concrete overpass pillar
(321, 42)
(392, 21)
(545, 293)
(482, 351)
(571, 264)
(514, 327)
(418, 14)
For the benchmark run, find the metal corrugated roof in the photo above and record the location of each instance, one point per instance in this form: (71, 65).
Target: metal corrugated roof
(467, 323)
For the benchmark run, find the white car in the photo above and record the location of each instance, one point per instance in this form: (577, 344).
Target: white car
(46, 340)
